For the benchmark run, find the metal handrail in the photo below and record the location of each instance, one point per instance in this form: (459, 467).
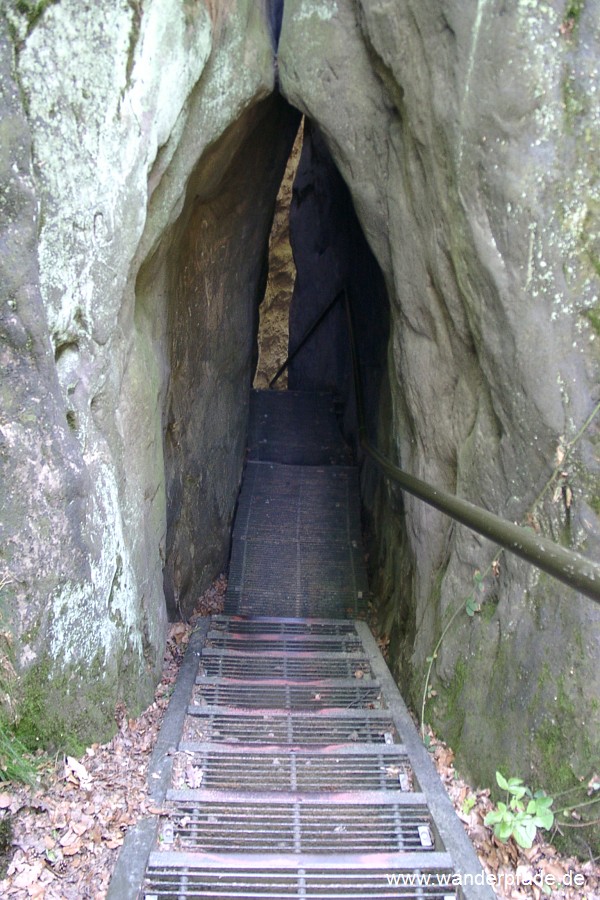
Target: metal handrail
(306, 337)
(566, 565)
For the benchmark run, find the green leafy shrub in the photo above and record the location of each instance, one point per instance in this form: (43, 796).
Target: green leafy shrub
(522, 814)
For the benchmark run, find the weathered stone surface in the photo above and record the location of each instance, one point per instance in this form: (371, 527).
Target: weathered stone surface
(274, 313)
(140, 158)
(217, 268)
(468, 136)
(106, 115)
(43, 479)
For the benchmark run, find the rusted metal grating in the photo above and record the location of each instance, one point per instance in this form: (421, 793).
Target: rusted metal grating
(365, 822)
(172, 876)
(258, 643)
(221, 725)
(296, 548)
(315, 695)
(281, 626)
(313, 667)
(222, 767)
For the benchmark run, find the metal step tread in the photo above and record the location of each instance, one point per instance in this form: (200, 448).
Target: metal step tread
(274, 653)
(209, 826)
(281, 625)
(180, 874)
(228, 663)
(288, 701)
(362, 750)
(287, 683)
(298, 715)
(292, 728)
(285, 694)
(319, 861)
(257, 643)
(232, 799)
(252, 768)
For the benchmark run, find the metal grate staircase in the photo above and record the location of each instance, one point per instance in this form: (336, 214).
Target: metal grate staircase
(306, 776)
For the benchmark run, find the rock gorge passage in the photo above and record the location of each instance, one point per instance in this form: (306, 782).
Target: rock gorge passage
(303, 772)
(449, 174)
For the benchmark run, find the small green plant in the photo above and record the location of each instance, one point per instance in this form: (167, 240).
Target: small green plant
(470, 605)
(574, 10)
(468, 804)
(522, 814)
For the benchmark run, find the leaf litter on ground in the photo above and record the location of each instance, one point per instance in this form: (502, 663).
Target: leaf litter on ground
(518, 872)
(66, 830)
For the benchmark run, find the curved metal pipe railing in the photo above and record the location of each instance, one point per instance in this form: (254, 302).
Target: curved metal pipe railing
(566, 565)
(320, 318)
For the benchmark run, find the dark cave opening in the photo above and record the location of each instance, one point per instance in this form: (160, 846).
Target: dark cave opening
(202, 290)
(330, 255)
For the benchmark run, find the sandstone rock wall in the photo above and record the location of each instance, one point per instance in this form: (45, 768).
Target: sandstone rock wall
(273, 328)
(217, 265)
(107, 111)
(140, 157)
(468, 135)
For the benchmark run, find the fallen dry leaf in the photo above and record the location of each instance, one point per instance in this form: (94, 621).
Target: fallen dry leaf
(28, 875)
(67, 836)
(76, 772)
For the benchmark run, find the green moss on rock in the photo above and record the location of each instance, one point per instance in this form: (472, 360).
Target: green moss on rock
(67, 710)
(451, 709)
(593, 317)
(574, 10)
(41, 720)
(33, 10)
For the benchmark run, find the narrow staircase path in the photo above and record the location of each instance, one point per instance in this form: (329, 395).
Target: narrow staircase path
(304, 774)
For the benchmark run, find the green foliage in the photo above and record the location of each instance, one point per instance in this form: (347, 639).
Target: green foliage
(574, 10)
(6, 836)
(16, 763)
(593, 316)
(470, 605)
(522, 814)
(41, 723)
(33, 9)
(473, 601)
(468, 804)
